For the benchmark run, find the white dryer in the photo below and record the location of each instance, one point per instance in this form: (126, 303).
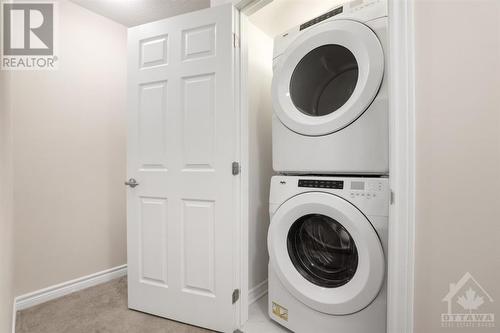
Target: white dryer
(329, 93)
(327, 245)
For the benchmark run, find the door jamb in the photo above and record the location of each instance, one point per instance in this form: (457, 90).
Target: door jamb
(247, 7)
(401, 263)
(244, 157)
(240, 21)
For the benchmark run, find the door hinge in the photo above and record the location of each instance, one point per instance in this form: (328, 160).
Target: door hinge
(236, 168)
(392, 197)
(236, 295)
(236, 40)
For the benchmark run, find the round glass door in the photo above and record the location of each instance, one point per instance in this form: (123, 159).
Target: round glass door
(326, 253)
(322, 250)
(327, 77)
(324, 80)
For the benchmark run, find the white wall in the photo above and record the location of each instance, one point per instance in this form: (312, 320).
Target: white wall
(6, 196)
(69, 132)
(260, 48)
(458, 154)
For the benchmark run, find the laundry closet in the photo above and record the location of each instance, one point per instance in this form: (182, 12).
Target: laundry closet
(208, 123)
(329, 202)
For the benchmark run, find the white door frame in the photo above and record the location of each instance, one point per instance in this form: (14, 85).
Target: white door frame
(241, 232)
(402, 167)
(241, 39)
(247, 7)
(242, 9)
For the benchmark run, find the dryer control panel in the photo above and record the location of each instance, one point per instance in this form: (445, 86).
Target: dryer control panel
(323, 17)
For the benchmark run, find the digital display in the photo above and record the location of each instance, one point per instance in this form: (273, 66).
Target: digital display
(323, 17)
(357, 185)
(318, 183)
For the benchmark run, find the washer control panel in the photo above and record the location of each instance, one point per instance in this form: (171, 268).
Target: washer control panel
(365, 189)
(321, 183)
(370, 194)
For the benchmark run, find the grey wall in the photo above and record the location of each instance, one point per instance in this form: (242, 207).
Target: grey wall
(6, 212)
(69, 129)
(260, 48)
(458, 154)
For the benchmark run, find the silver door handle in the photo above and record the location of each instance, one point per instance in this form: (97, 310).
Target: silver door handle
(132, 182)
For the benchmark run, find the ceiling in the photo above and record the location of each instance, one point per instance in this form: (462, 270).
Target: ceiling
(275, 18)
(134, 12)
(281, 15)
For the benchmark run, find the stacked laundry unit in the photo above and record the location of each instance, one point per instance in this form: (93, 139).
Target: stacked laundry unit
(329, 204)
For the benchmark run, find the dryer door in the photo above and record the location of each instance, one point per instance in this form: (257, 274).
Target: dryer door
(327, 77)
(326, 253)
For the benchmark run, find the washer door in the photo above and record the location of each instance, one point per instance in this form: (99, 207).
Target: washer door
(327, 77)
(326, 253)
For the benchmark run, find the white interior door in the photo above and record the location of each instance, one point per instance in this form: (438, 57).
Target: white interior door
(182, 140)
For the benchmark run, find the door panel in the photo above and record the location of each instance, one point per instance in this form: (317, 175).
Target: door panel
(153, 248)
(152, 125)
(154, 51)
(199, 121)
(198, 42)
(181, 142)
(198, 247)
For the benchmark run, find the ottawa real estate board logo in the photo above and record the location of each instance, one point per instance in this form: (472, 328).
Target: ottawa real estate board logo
(469, 305)
(28, 35)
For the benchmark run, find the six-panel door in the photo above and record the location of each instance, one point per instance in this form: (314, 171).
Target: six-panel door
(181, 143)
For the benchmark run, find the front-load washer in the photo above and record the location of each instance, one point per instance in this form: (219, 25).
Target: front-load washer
(329, 93)
(327, 245)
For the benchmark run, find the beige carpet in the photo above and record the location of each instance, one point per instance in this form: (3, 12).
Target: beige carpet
(100, 309)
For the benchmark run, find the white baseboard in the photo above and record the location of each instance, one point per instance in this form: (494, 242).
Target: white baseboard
(44, 295)
(257, 292)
